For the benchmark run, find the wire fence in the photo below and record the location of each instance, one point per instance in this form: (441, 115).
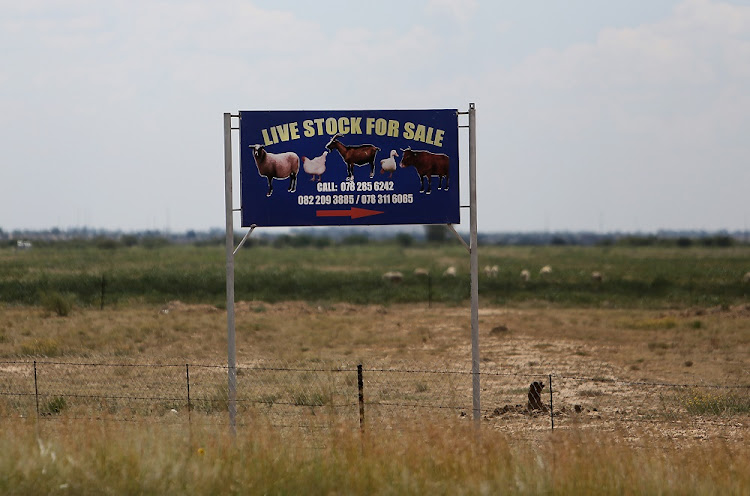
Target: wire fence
(306, 398)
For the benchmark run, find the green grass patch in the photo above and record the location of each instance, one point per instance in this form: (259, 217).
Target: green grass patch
(643, 277)
(717, 403)
(56, 302)
(43, 347)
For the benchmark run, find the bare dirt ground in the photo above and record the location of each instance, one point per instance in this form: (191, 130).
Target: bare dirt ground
(625, 370)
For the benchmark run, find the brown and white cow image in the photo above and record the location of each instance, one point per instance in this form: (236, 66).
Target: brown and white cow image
(427, 164)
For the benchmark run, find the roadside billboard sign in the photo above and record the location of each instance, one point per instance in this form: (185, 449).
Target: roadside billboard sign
(349, 168)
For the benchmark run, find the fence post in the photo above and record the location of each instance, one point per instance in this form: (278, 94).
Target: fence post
(104, 283)
(361, 387)
(429, 290)
(551, 414)
(36, 392)
(187, 379)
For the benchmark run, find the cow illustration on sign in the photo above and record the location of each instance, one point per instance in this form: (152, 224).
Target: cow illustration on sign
(427, 164)
(354, 155)
(276, 166)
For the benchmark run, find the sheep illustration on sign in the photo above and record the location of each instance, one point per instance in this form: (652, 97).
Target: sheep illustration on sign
(276, 166)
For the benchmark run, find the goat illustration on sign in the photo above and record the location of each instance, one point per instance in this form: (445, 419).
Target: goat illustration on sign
(354, 155)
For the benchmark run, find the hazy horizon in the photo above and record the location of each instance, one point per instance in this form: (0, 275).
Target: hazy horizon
(591, 116)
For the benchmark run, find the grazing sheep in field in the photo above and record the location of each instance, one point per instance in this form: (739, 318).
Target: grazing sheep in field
(535, 397)
(545, 270)
(389, 164)
(276, 166)
(746, 277)
(315, 166)
(596, 276)
(419, 271)
(491, 271)
(393, 276)
(450, 272)
(525, 275)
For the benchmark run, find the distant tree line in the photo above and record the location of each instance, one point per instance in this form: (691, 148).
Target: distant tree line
(322, 238)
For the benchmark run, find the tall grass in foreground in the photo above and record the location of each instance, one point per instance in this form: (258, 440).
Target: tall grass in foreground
(441, 458)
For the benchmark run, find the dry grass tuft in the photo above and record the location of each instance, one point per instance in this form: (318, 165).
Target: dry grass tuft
(444, 457)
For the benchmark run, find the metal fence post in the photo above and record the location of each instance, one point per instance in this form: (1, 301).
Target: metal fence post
(36, 395)
(36, 391)
(551, 414)
(429, 290)
(187, 380)
(361, 388)
(101, 301)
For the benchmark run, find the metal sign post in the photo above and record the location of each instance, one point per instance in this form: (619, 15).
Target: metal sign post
(292, 150)
(474, 265)
(231, 349)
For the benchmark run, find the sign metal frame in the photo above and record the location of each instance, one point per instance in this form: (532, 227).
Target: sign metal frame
(424, 210)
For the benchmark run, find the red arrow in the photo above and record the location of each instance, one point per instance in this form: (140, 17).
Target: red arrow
(354, 213)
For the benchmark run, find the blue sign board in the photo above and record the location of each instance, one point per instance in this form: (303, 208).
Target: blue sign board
(358, 167)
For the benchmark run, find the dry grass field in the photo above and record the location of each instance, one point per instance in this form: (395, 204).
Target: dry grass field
(603, 359)
(648, 398)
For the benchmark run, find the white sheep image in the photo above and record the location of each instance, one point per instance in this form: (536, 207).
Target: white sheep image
(597, 276)
(525, 275)
(421, 271)
(491, 271)
(393, 276)
(276, 166)
(450, 272)
(746, 278)
(315, 166)
(389, 164)
(545, 270)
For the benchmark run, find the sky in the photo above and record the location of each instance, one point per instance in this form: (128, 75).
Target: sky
(624, 115)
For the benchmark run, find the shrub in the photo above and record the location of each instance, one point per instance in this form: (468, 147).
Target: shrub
(106, 243)
(40, 347)
(216, 402)
(654, 324)
(129, 240)
(355, 239)
(711, 403)
(56, 302)
(55, 405)
(309, 399)
(404, 239)
(153, 242)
